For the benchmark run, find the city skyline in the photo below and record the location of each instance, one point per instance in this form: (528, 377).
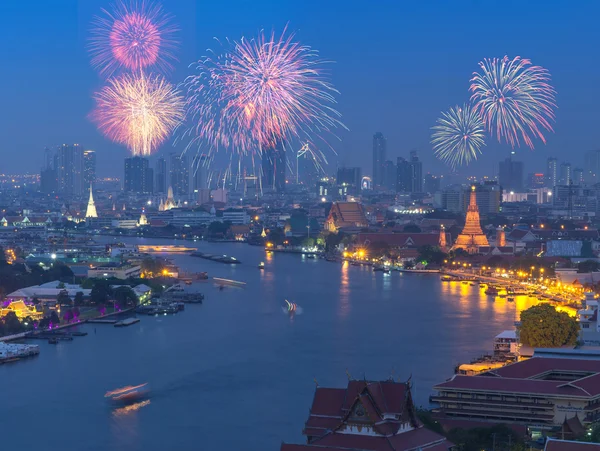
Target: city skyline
(402, 107)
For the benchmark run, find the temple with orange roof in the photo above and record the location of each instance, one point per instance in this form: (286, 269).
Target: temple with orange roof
(471, 237)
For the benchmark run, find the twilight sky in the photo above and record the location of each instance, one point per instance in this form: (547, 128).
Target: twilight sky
(398, 65)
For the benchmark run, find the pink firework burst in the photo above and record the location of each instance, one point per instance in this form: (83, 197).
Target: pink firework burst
(514, 98)
(134, 36)
(258, 92)
(138, 110)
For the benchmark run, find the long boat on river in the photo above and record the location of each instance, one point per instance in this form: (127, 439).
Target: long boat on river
(216, 258)
(228, 282)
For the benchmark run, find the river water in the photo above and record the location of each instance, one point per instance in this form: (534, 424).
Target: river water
(237, 373)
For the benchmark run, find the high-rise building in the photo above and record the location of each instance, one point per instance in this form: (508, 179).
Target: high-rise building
(70, 170)
(578, 176)
(389, 176)
(160, 185)
(273, 168)
(592, 166)
(489, 197)
(535, 180)
(510, 174)
(308, 172)
(432, 183)
(180, 174)
(138, 176)
(89, 168)
(350, 177)
(551, 172)
(416, 173)
(403, 175)
(379, 158)
(565, 174)
(48, 174)
(199, 178)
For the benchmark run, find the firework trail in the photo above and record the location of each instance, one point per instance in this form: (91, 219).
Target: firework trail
(514, 98)
(134, 36)
(138, 110)
(458, 136)
(259, 92)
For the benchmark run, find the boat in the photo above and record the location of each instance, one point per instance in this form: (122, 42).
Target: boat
(386, 271)
(472, 284)
(233, 283)
(128, 394)
(311, 256)
(446, 279)
(378, 268)
(291, 307)
(53, 341)
(261, 265)
(492, 291)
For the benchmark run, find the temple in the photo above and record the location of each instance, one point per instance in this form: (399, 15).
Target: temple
(91, 207)
(367, 416)
(347, 216)
(168, 204)
(471, 237)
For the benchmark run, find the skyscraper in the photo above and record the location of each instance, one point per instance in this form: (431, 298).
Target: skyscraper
(70, 170)
(535, 180)
(48, 174)
(273, 168)
(578, 176)
(416, 173)
(160, 186)
(180, 174)
(138, 176)
(403, 176)
(379, 157)
(308, 173)
(350, 177)
(89, 168)
(551, 172)
(389, 176)
(199, 179)
(510, 174)
(565, 174)
(592, 166)
(432, 183)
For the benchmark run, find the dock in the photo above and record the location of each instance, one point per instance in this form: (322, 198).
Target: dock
(127, 322)
(102, 321)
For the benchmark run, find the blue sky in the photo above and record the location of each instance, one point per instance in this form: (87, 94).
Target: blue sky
(398, 64)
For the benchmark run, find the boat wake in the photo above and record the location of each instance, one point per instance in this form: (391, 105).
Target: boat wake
(291, 308)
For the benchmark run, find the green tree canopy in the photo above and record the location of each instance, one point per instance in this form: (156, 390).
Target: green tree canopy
(543, 327)
(100, 292)
(432, 255)
(78, 298)
(124, 295)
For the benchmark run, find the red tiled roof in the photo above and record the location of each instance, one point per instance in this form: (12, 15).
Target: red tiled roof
(328, 402)
(539, 365)
(565, 445)
(507, 385)
(401, 239)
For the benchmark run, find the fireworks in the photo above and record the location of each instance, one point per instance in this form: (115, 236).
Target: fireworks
(458, 136)
(257, 93)
(134, 36)
(514, 99)
(138, 110)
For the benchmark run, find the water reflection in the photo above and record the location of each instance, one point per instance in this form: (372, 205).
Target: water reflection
(344, 291)
(130, 409)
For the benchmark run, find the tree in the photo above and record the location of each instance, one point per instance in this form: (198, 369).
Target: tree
(588, 266)
(544, 327)
(63, 298)
(432, 255)
(54, 319)
(100, 292)
(124, 295)
(12, 325)
(78, 299)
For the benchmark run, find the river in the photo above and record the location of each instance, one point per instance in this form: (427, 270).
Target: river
(237, 373)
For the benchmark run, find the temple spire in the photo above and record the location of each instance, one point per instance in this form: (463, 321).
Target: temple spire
(471, 237)
(91, 207)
